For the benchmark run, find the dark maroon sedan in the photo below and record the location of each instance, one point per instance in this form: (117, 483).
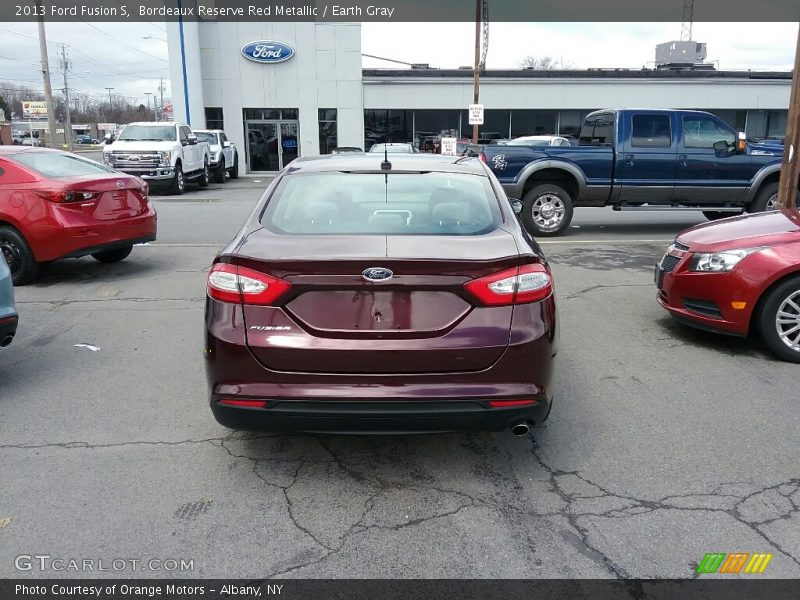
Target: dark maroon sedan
(372, 296)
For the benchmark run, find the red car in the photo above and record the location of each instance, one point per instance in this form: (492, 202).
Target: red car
(56, 204)
(365, 295)
(738, 275)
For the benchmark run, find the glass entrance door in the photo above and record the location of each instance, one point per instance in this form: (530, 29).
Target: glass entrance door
(262, 147)
(271, 144)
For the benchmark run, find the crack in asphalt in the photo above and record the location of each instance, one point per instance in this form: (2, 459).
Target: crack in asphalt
(601, 286)
(576, 533)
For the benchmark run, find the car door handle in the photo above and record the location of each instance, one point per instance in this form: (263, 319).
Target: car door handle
(681, 160)
(629, 160)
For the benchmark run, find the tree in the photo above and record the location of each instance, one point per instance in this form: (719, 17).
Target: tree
(545, 63)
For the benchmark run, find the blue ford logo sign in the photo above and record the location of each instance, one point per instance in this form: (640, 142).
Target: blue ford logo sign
(377, 274)
(265, 51)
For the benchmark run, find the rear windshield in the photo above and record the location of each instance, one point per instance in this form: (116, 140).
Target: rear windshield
(60, 164)
(383, 204)
(204, 136)
(148, 133)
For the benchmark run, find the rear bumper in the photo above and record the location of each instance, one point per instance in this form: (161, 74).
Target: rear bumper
(369, 417)
(8, 328)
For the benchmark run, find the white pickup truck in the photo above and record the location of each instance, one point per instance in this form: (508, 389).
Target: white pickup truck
(163, 154)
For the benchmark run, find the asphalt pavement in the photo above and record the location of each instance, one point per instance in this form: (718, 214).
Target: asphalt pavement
(664, 443)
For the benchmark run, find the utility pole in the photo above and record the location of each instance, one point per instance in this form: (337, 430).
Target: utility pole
(477, 68)
(68, 118)
(790, 168)
(110, 106)
(161, 102)
(148, 94)
(48, 92)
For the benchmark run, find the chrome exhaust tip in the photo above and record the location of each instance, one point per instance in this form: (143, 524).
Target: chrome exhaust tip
(520, 428)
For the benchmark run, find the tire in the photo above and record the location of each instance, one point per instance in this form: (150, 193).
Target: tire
(219, 172)
(18, 255)
(205, 176)
(178, 181)
(766, 199)
(113, 256)
(234, 170)
(780, 310)
(713, 215)
(547, 210)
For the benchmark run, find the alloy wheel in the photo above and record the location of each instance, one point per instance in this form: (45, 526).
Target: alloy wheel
(787, 321)
(12, 255)
(772, 203)
(181, 183)
(547, 212)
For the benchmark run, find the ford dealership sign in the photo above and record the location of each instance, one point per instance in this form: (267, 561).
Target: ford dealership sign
(267, 51)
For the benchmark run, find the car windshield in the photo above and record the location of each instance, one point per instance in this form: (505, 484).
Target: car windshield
(382, 204)
(392, 148)
(205, 136)
(149, 133)
(60, 164)
(528, 143)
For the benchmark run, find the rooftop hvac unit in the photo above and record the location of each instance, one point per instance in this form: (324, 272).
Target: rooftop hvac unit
(680, 55)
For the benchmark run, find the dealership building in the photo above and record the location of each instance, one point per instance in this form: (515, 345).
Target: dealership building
(280, 90)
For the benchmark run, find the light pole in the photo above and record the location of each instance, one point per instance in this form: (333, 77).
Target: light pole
(148, 94)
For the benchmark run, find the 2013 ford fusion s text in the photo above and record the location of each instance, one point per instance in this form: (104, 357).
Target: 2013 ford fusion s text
(373, 295)
(738, 275)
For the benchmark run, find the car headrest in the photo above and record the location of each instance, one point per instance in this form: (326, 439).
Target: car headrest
(452, 212)
(387, 221)
(321, 212)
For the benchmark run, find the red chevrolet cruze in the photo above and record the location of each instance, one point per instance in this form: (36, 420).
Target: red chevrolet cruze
(365, 294)
(736, 276)
(56, 204)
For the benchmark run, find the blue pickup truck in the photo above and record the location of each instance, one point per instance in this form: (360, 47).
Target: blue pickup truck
(639, 160)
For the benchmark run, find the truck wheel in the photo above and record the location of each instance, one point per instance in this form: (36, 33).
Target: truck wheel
(178, 181)
(204, 176)
(234, 171)
(547, 210)
(766, 199)
(779, 320)
(219, 172)
(18, 255)
(713, 215)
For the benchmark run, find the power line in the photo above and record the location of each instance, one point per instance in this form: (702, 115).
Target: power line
(119, 41)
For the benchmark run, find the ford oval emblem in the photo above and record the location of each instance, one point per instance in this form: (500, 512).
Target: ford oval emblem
(377, 274)
(267, 51)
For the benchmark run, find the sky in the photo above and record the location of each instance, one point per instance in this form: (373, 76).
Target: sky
(131, 57)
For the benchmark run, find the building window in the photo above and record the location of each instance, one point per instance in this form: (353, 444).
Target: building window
(736, 119)
(570, 121)
(533, 122)
(214, 118)
(327, 130)
(382, 125)
(495, 125)
(433, 124)
(269, 114)
(766, 124)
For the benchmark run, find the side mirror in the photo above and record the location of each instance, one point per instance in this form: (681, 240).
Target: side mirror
(226, 144)
(721, 146)
(741, 143)
(192, 139)
(109, 138)
(516, 205)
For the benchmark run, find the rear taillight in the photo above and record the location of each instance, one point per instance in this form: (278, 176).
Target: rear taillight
(144, 191)
(232, 283)
(508, 403)
(66, 196)
(518, 285)
(248, 403)
(482, 157)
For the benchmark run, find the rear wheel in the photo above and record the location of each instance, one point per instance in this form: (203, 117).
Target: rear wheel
(204, 176)
(18, 255)
(766, 199)
(779, 320)
(234, 170)
(219, 172)
(178, 181)
(112, 256)
(547, 210)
